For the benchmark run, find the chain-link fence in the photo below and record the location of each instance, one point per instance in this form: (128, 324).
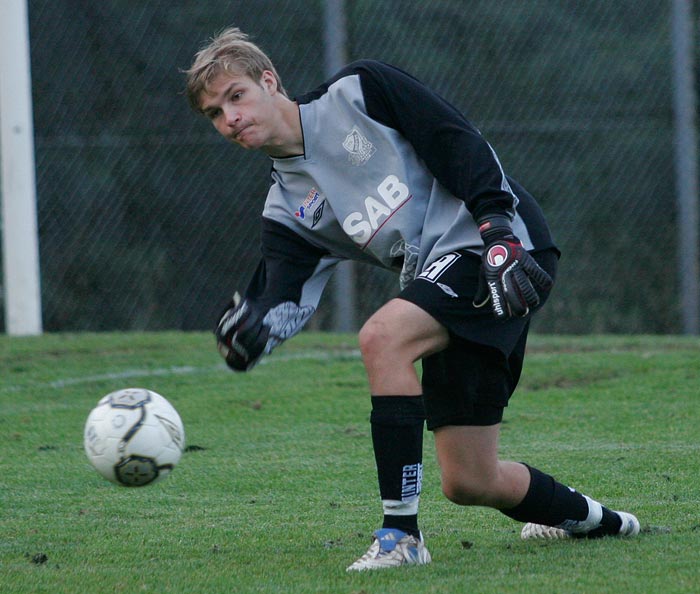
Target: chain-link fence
(148, 219)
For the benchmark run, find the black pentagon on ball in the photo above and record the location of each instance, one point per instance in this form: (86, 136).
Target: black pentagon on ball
(137, 471)
(131, 398)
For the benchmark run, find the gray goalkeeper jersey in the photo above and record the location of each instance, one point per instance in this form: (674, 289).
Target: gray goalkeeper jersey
(392, 175)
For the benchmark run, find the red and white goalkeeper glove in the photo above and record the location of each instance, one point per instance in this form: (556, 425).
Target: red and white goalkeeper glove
(507, 271)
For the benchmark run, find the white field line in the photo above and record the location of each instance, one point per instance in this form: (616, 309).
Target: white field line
(181, 370)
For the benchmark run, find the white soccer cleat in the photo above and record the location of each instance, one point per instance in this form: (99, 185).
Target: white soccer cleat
(629, 527)
(392, 548)
(630, 524)
(541, 531)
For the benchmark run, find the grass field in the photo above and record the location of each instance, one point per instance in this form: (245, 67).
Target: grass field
(277, 490)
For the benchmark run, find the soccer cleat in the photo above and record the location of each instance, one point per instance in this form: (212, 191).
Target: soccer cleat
(541, 531)
(630, 524)
(392, 548)
(629, 527)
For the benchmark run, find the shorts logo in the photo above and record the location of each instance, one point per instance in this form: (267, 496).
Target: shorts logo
(360, 149)
(447, 290)
(497, 255)
(311, 199)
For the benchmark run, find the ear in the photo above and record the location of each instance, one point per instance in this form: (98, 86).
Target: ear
(268, 82)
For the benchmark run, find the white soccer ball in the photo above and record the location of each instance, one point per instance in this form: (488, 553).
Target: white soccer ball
(134, 437)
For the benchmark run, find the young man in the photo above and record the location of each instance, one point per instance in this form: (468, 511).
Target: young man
(375, 167)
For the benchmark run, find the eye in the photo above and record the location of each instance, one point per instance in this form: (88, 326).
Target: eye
(213, 113)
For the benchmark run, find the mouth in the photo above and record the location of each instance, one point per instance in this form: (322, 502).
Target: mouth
(240, 132)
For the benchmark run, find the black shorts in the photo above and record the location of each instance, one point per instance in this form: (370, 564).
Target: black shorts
(471, 381)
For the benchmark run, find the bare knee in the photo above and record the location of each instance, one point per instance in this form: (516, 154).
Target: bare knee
(501, 487)
(384, 358)
(373, 339)
(396, 336)
(388, 363)
(401, 331)
(465, 492)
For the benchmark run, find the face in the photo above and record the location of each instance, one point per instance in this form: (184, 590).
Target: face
(241, 109)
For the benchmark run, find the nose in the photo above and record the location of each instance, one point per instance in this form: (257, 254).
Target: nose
(231, 116)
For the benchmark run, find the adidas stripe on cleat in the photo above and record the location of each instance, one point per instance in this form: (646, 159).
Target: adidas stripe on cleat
(392, 548)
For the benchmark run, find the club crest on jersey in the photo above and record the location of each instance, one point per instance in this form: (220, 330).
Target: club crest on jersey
(360, 149)
(311, 199)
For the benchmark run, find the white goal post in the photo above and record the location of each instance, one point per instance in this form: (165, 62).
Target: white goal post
(20, 244)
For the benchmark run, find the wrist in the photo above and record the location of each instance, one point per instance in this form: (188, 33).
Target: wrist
(494, 227)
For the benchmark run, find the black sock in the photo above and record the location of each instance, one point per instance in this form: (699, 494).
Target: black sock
(397, 437)
(548, 502)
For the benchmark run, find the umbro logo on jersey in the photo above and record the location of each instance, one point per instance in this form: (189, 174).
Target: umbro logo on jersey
(360, 149)
(311, 199)
(318, 213)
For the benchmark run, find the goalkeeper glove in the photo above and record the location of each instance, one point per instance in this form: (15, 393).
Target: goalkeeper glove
(507, 271)
(241, 335)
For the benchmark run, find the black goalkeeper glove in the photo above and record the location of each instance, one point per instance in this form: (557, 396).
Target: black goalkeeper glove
(241, 336)
(507, 271)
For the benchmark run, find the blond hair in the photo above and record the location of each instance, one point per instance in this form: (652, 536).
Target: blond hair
(231, 52)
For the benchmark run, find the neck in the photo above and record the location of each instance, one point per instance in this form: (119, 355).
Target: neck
(291, 140)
